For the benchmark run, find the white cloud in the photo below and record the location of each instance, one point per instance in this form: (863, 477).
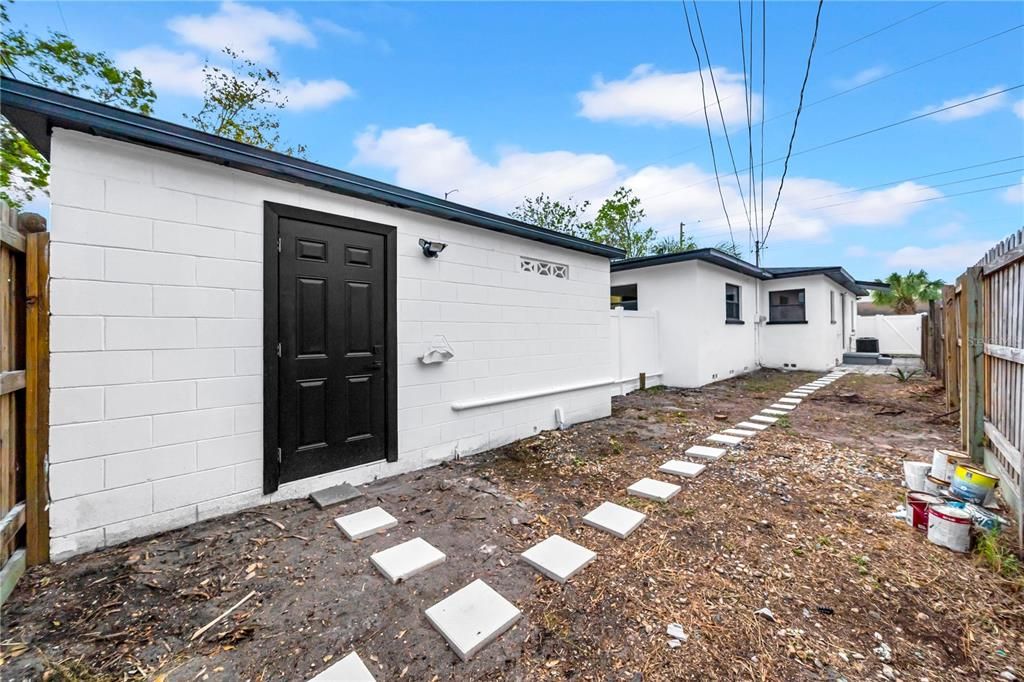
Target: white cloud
(181, 73)
(434, 160)
(1018, 108)
(972, 110)
(860, 78)
(650, 96)
(956, 256)
(245, 28)
(1015, 194)
(176, 73)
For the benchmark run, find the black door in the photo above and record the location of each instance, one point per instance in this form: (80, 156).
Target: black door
(333, 344)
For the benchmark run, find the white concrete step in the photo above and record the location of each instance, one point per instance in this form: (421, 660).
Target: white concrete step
(365, 523)
(742, 433)
(776, 413)
(705, 452)
(558, 558)
(791, 400)
(725, 440)
(652, 489)
(617, 520)
(403, 561)
(349, 669)
(752, 425)
(472, 618)
(764, 419)
(682, 469)
(782, 406)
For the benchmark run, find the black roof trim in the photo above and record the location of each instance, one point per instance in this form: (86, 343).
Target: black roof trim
(709, 255)
(730, 262)
(36, 110)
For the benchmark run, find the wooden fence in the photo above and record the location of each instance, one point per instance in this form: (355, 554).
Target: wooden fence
(24, 398)
(974, 341)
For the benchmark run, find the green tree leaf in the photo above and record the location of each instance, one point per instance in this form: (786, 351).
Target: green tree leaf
(906, 290)
(543, 211)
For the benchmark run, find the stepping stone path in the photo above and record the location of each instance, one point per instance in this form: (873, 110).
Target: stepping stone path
(558, 558)
(659, 491)
(472, 618)
(476, 615)
(403, 561)
(705, 452)
(611, 518)
(727, 440)
(681, 468)
(365, 523)
(349, 669)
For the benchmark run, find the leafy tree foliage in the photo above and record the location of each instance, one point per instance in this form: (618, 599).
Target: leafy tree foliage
(906, 290)
(618, 223)
(678, 244)
(55, 61)
(241, 103)
(730, 248)
(543, 211)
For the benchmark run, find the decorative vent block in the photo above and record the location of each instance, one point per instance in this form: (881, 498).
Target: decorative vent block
(542, 267)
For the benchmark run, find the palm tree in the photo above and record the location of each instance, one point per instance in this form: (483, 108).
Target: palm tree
(906, 290)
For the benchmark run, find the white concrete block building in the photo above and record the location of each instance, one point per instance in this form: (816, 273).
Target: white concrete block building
(231, 326)
(719, 316)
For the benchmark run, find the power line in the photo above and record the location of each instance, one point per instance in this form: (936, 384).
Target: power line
(707, 120)
(922, 177)
(721, 114)
(748, 96)
(796, 121)
(885, 28)
(764, 70)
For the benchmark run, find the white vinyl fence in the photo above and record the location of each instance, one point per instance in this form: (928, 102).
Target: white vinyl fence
(635, 349)
(896, 334)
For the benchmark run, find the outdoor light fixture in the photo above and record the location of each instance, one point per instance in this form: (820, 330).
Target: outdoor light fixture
(431, 249)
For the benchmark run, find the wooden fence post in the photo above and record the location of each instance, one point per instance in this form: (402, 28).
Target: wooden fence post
(950, 375)
(37, 397)
(973, 323)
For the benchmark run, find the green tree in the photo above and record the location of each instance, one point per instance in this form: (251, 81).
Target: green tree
(906, 290)
(618, 223)
(55, 61)
(678, 244)
(543, 211)
(241, 102)
(730, 248)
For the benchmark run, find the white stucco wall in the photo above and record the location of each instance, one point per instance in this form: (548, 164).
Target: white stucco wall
(697, 346)
(156, 339)
(818, 344)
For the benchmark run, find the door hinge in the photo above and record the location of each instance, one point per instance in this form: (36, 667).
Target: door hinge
(279, 245)
(279, 456)
(278, 349)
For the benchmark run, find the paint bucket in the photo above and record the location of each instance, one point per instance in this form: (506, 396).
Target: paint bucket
(949, 527)
(973, 484)
(915, 473)
(918, 506)
(944, 463)
(935, 486)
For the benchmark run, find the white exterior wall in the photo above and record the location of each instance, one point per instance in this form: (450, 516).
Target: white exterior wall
(156, 340)
(697, 346)
(817, 345)
(896, 334)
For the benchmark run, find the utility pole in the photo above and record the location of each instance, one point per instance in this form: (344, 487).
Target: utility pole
(757, 253)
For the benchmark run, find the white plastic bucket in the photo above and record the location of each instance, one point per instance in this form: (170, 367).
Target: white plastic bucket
(949, 527)
(915, 474)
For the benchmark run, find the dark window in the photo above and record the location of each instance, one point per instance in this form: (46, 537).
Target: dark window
(786, 306)
(624, 296)
(732, 302)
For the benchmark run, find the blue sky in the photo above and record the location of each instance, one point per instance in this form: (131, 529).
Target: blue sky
(502, 100)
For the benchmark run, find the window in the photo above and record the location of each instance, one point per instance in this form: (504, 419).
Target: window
(786, 307)
(624, 296)
(732, 303)
(832, 306)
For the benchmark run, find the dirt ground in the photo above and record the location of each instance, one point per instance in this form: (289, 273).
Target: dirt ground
(798, 521)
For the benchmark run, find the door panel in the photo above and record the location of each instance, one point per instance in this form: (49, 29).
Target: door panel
(334, 323)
